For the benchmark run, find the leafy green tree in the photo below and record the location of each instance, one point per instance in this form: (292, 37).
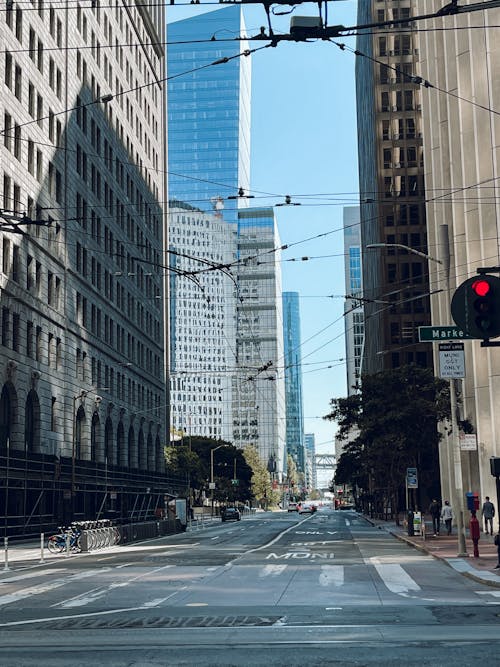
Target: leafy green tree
(262, 488)
(192, 457)
(395, 416)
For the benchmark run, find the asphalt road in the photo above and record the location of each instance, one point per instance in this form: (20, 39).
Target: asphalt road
(273, 589)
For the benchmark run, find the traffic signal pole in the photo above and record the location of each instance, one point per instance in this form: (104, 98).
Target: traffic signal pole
(454, 457)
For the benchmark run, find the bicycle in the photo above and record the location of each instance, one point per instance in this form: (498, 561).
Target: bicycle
(58, 543)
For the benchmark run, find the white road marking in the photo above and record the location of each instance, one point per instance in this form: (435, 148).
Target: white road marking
(395, 578)
(331, 575)
(495, 594)
(97, 593)
(347, 522)
(44, 588)
(39, 573)
(272, 570)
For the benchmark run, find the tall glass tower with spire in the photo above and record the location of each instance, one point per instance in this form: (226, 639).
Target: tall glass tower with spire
(208, 111)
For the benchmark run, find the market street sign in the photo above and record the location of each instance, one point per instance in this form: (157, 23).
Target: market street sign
(441, 333)
(451, 360)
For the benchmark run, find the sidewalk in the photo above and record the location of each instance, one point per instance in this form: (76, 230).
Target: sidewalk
(445, 547)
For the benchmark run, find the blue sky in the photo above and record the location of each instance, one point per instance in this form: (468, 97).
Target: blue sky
(304, 142)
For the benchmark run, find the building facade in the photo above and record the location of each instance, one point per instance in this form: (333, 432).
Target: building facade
(462, 156)
(311, 476)
(293, 379)
(202, 321)
(259, 416)
(83, 397)
(354, 306)
(392, 193)
(209, 111)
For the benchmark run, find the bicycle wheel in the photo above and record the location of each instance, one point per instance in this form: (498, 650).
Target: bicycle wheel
(55, 545)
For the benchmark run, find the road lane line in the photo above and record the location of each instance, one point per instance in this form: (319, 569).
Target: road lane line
(272, 570)
(331, 575)
(30, 575)
(43, 588)
(97, 593)
(395, 578)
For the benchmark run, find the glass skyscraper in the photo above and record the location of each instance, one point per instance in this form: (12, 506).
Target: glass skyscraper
(208, 111)
(293, 379)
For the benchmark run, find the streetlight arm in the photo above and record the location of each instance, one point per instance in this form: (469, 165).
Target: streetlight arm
(404, 247)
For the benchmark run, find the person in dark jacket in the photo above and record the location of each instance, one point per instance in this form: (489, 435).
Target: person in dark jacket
(435, 512)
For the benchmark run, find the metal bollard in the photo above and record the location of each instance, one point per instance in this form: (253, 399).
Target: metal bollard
(6, 549)
(42, 540)
(68, 541)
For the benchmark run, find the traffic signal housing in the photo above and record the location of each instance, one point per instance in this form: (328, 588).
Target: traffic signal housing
(475, 306)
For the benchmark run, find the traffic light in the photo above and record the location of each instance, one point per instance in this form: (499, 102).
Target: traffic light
(475, 306)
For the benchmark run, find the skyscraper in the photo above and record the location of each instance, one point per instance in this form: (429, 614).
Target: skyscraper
(259, 387)
(208, 111)
(353, 308)
(202, 318)
(293, 379)
(391, 188)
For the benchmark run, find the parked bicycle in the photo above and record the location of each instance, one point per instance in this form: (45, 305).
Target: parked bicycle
(58, 543)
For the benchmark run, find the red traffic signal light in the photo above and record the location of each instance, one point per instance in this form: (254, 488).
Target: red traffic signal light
(481, 287)
(475, 306)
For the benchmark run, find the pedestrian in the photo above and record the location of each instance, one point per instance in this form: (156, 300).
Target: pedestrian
(447, 515)
(435, 512)
(474, 532)
(497, 543)
(488, 512)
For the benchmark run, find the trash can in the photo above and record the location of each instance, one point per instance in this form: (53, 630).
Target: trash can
(411, 527)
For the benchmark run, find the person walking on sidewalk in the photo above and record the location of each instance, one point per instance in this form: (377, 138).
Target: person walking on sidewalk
(447, 515)
(488, 512)
(435, 512)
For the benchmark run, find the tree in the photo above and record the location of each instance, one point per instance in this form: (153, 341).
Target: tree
(395, 415)
(193, 459)
(262, 488)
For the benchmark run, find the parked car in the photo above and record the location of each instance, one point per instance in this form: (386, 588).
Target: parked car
(230, 514)
(293, 507)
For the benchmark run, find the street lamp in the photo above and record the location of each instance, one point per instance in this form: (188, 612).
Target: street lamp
(212, 485)
(414, 251)
(454, 456)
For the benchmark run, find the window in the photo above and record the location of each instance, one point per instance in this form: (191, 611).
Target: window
(16, 320)
(38, 344)
(19, 25)
(8, 69)
(5, 326)
(29, 339)
(39, 165)
(39, 110)
(7, 127)
(17, 142)
(31, 99)
(18, 82)
(39, 58)
(32, 44)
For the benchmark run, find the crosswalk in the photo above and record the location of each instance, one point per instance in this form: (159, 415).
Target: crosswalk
(64, 589)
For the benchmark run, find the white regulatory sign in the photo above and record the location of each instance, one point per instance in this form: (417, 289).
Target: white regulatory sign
(451, 360)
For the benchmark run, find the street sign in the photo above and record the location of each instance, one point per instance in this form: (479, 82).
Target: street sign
(235, 482)
(411, 478)
(451, 360)
(468, 441)
(441, 333)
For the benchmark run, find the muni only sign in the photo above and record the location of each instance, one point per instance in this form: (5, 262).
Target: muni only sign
(437, 334)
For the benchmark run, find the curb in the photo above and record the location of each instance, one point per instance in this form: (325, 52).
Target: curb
(469, 572)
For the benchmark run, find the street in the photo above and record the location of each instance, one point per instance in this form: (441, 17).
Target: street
(274, 589)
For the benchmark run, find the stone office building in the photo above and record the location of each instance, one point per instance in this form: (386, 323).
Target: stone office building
(83, 392)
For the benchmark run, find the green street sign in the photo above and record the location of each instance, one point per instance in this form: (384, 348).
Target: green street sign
(436, 334)
(235, 482)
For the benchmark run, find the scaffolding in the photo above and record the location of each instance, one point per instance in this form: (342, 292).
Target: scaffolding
(39, 492)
